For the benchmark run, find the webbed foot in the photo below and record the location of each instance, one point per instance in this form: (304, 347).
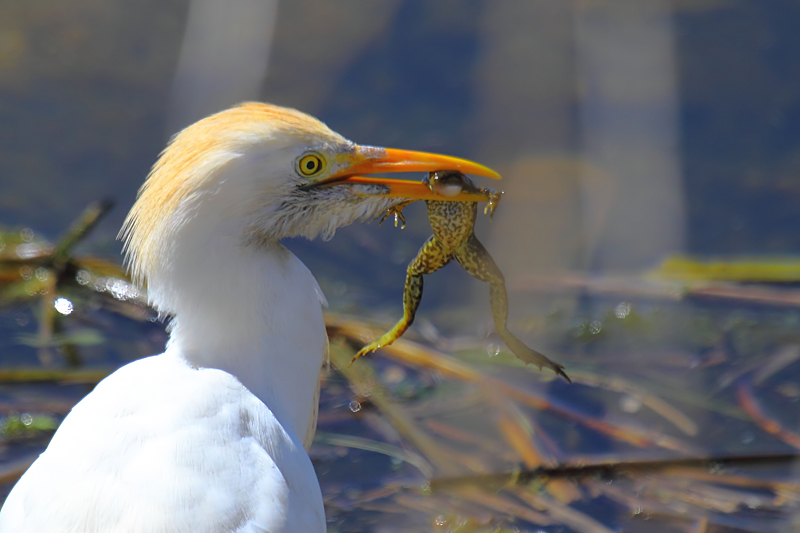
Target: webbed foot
(530, 356)
(384, 340)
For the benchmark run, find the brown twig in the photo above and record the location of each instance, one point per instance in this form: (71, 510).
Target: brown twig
(748, 402)
(609, 469)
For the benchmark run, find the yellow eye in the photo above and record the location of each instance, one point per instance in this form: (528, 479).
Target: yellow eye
(310, 164)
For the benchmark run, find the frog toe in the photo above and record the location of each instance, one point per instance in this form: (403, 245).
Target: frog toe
(369, 348)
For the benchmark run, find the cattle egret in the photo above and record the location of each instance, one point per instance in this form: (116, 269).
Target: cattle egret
(211, 435)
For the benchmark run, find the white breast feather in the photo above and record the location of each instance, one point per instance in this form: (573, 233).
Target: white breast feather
(220, 464)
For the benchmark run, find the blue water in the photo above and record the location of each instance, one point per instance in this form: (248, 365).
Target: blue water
(84, 106)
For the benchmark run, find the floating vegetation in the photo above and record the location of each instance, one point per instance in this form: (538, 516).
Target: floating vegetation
(16, 426)
(744, 269)
(32, 269)
(682, 416)
(657, 462)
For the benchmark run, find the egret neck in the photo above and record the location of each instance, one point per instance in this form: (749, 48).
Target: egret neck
(259, 319)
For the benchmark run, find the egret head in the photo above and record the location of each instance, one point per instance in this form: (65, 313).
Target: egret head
(257, 173)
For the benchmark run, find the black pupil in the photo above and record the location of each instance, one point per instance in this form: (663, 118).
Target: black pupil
(311, 164)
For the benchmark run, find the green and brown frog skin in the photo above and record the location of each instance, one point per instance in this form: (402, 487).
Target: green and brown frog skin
(454, 238)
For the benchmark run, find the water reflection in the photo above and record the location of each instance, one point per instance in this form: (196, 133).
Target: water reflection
(63, 306)
(624, 130)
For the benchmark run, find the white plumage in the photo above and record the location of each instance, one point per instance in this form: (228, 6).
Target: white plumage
(210, 436)
(195, 452)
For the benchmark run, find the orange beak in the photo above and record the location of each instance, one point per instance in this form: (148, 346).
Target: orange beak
(373, 160)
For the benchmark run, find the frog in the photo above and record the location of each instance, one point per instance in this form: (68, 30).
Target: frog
(453, 225)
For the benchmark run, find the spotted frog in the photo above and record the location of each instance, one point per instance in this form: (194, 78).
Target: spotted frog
(454, 238)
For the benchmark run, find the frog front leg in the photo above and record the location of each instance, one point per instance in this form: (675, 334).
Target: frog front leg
(475, 259)
(397, 211)
(430, 258)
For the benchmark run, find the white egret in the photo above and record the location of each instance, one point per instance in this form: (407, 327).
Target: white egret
(210, 435)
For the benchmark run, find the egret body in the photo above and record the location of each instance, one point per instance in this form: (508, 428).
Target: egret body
(211, 435)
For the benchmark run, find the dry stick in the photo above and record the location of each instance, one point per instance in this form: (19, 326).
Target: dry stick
(57, 256)
(518, 431)
(609, 469)
(471, 439)
(440, 506)
(53, 407)
(499, 504)
(12, 471)
(56, 262)
(362, 377)
(702, 525)
(638, 287)
(709, 495)
(656, 404)
(28, 375)
(78, 230)
(748, 402)
(732, 480)
(369, 445)
(650, 506)
(563, 513)
(784, 357)
(47, 319)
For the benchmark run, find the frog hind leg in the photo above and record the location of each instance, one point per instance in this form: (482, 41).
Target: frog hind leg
(431, 257)
(476, 260)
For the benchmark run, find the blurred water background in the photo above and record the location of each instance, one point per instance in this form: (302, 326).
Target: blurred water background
(628, 132)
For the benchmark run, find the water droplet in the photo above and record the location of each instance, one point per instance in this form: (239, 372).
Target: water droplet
(622, 310)
(118, 288)
(63, 306)
(83, 277)
(595, 327)
(355, 406)
(42, 274)
(440, 521)
(26, 234)
(492, 349)
(26, 273)
(122, 290)
(26, 419)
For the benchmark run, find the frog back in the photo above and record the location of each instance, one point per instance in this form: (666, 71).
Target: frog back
(452, 222)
